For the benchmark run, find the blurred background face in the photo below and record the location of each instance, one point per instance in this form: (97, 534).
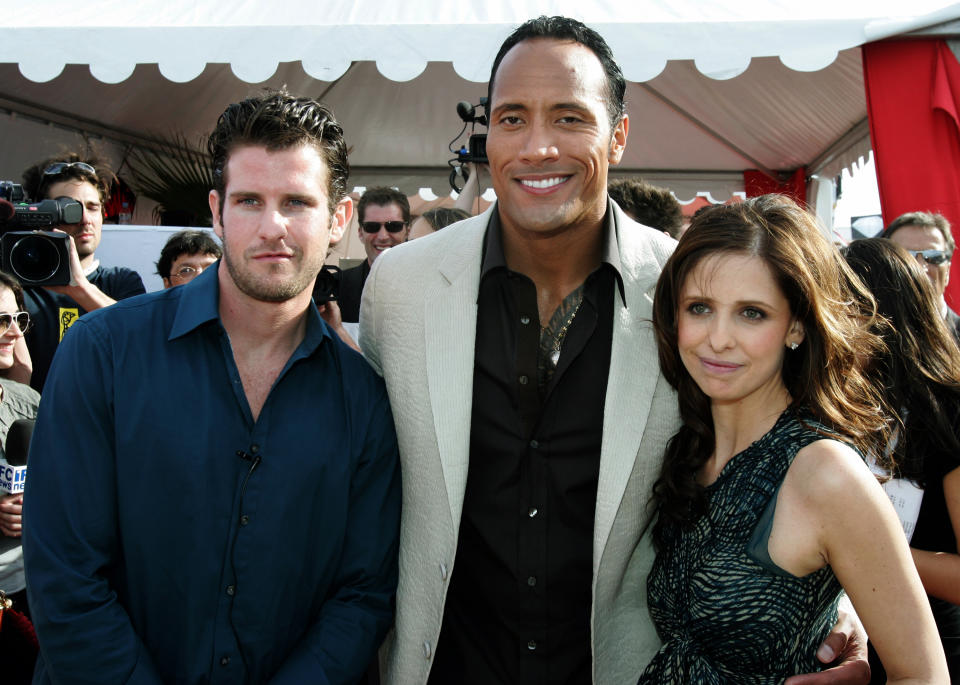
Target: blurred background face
(912, 237)
(186, 267)
(375, 243)
(8, 305)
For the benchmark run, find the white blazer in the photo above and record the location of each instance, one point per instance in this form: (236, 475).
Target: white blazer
(418, 329)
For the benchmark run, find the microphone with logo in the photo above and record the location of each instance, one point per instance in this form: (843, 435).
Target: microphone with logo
(13, 474)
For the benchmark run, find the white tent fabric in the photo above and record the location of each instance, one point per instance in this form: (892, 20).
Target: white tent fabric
(715, 88)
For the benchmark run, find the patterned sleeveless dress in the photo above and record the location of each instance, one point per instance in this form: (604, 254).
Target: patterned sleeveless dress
(723, 610)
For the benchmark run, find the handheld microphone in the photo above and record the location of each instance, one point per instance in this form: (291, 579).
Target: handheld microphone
(13, 474)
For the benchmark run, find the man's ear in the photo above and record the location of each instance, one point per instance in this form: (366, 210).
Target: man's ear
(342, 214)
(618, 140)
(214, 199)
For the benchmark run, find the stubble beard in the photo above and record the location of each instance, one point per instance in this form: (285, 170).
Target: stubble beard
(267, 290)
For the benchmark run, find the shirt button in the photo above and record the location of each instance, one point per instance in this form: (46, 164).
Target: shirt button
(533, 512)
(224, 660)
(531, 581)
(244, 520)
(231, 590)
(523, 380)
(443, 571)
(524, 320)
(254, 448)
(532, 645)
(534, 444)
(426, 650)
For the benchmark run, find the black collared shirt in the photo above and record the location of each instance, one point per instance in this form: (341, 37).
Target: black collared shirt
(518, 607)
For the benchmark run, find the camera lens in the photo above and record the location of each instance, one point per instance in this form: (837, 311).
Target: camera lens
(34, 258)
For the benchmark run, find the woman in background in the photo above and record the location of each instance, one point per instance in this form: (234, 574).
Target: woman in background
(765, 511)
(920, 374)
(17, 401)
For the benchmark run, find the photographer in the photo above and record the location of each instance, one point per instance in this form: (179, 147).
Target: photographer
(53, 309)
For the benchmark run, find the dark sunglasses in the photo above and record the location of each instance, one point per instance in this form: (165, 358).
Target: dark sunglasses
(7, 319)
(59, 167)
(934, 257)
(391, 226)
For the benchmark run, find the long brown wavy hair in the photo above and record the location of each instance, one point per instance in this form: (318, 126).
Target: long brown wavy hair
(824, 376)
(920, 370)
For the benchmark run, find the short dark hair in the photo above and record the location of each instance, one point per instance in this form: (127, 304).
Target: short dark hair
(186, 242)
(648, 204)
(564, 28)
(441, 217)
(277, 120)
(14, 285)
(925, 219)
(36, 183)
(381, 196)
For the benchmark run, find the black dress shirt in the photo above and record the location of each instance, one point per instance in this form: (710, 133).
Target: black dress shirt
(519, 604)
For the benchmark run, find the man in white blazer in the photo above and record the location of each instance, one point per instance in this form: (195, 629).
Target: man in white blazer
(557, 122)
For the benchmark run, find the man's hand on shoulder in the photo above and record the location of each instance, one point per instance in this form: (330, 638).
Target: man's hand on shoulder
(846, 647)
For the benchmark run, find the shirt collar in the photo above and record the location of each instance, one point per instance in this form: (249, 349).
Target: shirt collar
(199, 304)
(493, 247)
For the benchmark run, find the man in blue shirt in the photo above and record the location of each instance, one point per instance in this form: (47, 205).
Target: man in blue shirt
(214, 477)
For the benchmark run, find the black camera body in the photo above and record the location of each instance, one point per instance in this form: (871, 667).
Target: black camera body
(35, 256)
(327, 287)
(477, 152)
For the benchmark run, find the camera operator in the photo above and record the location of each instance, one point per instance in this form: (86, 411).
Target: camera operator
(53, 309)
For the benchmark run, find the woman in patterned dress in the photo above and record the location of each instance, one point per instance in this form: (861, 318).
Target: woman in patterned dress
(765, 513)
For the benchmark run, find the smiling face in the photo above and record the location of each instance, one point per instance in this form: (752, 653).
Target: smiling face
(276, 226)
(86, 234)
(8, 305)
(374, 244)
(733, 328)
(550, 142)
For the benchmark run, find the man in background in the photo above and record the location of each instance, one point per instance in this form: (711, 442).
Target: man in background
(927, 236)
(384, 219)
(185, 255)
(54, 309)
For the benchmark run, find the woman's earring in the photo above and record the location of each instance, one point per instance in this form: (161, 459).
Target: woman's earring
(793, 346)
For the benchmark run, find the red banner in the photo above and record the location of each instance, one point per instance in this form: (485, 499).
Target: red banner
(913, 100)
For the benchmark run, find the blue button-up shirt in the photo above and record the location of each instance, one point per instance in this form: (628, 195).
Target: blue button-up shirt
(170, 537)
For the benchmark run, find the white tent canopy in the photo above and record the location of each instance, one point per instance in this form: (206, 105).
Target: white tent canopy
(715, 88)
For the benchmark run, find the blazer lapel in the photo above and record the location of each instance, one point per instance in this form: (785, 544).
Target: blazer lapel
(634, 369)
(450, 328)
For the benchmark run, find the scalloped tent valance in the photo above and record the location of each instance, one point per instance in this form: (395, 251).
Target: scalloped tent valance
(713, 90)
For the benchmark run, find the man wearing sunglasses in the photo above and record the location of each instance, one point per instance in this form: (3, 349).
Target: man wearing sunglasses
(92, 286)
(384, 219)
(926, 235)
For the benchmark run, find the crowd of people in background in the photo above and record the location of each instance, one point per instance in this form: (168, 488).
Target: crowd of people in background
(618, 436)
